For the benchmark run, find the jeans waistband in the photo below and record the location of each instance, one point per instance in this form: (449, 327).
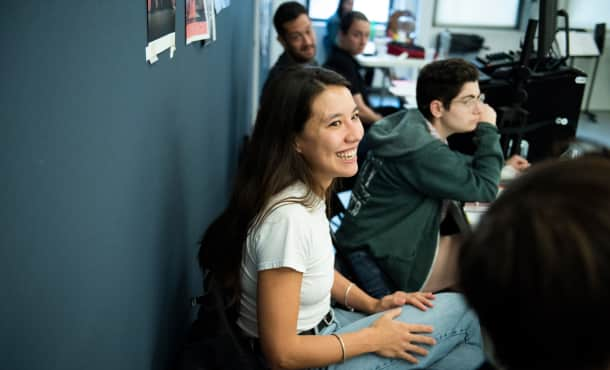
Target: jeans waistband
(328, 319)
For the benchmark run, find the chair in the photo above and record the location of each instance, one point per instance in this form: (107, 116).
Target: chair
(214, 341)
(599, 35)
(339, 200)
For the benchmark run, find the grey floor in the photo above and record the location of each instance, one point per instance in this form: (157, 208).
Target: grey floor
(598, 133)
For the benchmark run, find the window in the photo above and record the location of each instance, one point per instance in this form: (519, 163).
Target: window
(467, 13)
(377, 11)
(322, 9)
(586, 13)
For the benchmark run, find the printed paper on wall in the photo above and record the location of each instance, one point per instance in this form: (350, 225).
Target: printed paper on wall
(161, 30)
(197, 25)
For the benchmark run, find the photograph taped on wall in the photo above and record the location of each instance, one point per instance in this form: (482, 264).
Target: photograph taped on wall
(211, 12)
(161, 28)
(196, 20)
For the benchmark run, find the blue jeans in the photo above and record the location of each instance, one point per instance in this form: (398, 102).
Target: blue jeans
(456, 331)
(368, 275)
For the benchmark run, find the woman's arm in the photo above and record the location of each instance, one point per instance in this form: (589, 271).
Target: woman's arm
(278, 305)
(359, 300)
(355, 298)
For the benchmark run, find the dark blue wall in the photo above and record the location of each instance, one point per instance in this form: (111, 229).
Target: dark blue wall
(109, 170)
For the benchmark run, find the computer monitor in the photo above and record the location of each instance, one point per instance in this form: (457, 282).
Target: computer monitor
(547, 26)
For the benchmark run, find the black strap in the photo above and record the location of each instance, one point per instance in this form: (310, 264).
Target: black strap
(326, 321)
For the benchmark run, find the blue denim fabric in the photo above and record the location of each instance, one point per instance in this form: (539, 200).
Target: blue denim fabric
(456, 330)
(370, 277)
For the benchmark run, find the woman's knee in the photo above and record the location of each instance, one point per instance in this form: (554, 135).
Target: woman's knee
(449, 313)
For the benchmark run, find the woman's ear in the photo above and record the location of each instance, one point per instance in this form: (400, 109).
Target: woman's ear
(436, 108)
(297, 146)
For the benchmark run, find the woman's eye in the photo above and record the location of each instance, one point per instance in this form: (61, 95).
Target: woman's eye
(356, 116)
(335, 123)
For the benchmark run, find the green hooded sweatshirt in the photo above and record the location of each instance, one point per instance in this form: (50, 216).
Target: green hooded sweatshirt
(396, 204)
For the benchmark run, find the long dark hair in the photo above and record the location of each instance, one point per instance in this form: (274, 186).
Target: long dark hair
(270, 164)
(349, 18)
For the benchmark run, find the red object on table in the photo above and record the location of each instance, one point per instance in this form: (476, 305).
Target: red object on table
(413, 51)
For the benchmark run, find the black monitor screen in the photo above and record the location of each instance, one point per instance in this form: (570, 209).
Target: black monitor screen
(547, 25)
(528, 43)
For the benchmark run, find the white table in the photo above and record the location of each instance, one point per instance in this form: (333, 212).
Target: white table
(406, 90)
(401, 88)
(390, 61)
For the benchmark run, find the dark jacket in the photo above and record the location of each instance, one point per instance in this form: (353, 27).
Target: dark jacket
(396, 205)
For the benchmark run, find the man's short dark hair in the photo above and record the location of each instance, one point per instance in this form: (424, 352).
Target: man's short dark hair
(285, 13)
(442, 80)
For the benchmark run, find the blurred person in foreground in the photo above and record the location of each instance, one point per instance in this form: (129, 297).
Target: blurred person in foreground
(537, 268)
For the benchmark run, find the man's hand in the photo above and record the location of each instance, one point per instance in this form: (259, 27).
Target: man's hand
(518, 162)
(487, 114)
(421, 300)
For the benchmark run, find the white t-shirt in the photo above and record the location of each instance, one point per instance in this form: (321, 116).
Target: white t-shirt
(296, 237)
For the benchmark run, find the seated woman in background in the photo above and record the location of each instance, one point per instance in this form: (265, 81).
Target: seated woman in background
(272, 248)
(333, 23)
(537, 264)
(353, 36)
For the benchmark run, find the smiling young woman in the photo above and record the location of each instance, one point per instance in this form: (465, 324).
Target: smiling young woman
(272, 248)
(330, 139)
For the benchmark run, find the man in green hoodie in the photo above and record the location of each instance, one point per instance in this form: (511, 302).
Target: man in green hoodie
(409, 177)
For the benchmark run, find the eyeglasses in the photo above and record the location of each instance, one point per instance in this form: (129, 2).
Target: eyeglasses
(471, 101)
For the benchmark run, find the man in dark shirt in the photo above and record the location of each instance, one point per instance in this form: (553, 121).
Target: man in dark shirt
(296, 35)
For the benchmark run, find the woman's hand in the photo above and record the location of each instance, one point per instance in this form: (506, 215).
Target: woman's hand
(421, 300)
(398, 339)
